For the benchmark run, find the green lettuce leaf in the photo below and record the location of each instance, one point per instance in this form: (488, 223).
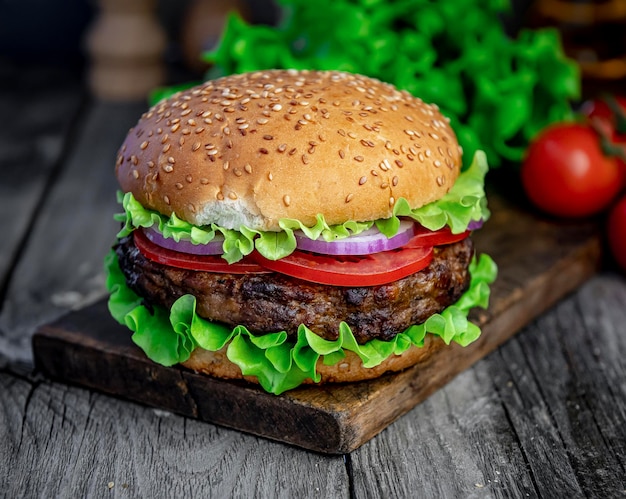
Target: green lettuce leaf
(465, 202)
(279, 363)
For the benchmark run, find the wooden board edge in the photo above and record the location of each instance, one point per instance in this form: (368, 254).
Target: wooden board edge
(420, 381)
(372, 405)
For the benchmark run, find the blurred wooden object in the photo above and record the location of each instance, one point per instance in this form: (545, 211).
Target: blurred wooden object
(126, 46)
(594, 34)
(202, 27)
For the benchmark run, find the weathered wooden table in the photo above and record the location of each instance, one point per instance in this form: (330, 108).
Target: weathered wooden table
(542, 416)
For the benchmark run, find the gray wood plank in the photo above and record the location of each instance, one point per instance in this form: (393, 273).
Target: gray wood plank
(38, 109)
(60, 441)
(544, 416)
(61, 266)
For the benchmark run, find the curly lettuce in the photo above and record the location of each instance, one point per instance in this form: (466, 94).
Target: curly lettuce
(465, 202)
(279, 363)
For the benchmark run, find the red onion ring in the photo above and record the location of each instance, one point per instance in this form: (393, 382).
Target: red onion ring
(365, 243)
(213, 247)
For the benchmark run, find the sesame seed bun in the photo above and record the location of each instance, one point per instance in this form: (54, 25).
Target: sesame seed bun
(251, 149)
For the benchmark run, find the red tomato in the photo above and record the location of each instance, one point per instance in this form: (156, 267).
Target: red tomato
(566, 173)
(209, 263)
(351, 270)
(425, 237)
(617, 232)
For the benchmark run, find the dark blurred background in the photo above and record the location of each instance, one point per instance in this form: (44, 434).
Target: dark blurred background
(54, 31)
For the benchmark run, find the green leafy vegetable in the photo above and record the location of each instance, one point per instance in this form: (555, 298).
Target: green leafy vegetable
(279, 363)
(464, 202)
(497, 90)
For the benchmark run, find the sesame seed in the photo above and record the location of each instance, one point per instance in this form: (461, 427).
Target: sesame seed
(341, 132)
(282, 148)
(420, 156)
(134, 160)
(262, 121)
(168, 168)
(270, 177)
(196, 146)
(166, 148)
(276, 107)
(440, 180)
(428, 153)
(305, 159)
(166, 199)
(226, 165)
(204, 181)
(164, 138)
(352, 135)
(437, 163)
(150, 164)
(399, 163)
(189, 179)
(359, 158)
(220, 196)
(175, 128)
(349, 197)
(144, 144)
(135, 174)
(268, 137)
(342, 154)
(237, 172)
(392, 201)
(232, 195)
(362, 180)
(171, 159)
(286, 200)
(394, 181)
(179, 186)
(292, 151)
(384, 185)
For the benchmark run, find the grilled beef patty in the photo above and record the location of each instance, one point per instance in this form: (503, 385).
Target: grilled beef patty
(275, 302)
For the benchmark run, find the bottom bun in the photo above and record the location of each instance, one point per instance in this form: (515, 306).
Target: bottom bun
(347, 370)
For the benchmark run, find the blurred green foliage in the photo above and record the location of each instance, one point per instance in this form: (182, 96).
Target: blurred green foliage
(497, 90)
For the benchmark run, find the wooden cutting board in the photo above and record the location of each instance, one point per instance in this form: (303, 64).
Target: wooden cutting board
(539, 262)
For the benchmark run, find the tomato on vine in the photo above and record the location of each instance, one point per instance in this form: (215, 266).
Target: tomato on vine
(566, 172)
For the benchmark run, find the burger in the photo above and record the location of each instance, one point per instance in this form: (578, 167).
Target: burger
(296, 227)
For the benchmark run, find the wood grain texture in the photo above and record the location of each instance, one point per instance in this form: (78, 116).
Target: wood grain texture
(61, 267)
(534, 273)
(60, 441)
(37, 120)
(543, 416)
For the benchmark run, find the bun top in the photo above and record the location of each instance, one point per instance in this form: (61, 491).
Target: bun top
(253, 148)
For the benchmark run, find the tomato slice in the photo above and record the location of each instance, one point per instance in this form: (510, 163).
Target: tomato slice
(351, 270)
(335, 270)
(425, 237)
(209, 263)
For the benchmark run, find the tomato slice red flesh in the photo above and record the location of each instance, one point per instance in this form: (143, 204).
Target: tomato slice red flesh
(350, 270)
(346, 270)
(208, 263)
(425, 237)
